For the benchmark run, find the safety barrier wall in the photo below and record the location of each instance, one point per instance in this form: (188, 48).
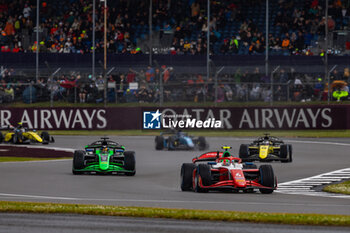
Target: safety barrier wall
(232, 118)
(84, 60)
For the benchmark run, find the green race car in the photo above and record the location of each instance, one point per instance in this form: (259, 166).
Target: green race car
(104, 156)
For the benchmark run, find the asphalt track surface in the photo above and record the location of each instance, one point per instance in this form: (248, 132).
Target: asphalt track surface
(59, 223)
(157, 181)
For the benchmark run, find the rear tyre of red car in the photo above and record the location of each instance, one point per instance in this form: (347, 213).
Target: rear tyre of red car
(267, 178)
(78, 161)
(159, 142)
(186, 176)
(244, 151)
(129, 162)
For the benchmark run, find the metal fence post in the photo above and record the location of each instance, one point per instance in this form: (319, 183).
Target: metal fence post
(30, 92)
(51, 94)
(75, 94)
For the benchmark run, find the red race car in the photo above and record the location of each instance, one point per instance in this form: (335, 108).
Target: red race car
(223, 172)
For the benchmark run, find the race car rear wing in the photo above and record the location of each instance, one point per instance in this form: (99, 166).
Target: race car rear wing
(209, 156)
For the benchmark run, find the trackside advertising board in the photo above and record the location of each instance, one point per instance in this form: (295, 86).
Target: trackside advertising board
(231, 118)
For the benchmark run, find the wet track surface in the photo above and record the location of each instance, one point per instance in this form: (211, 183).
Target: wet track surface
(156, 183)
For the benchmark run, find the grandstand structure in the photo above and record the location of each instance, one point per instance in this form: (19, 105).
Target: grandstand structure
(174, 38)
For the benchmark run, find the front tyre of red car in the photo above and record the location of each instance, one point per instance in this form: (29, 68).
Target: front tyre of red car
(203, 173)
(267, 179)
(130, 163)
(186, 176)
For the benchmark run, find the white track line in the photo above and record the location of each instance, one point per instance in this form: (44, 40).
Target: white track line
(306, 186)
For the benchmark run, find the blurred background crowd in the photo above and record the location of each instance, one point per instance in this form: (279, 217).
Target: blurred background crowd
(144, 86)
(237, 27)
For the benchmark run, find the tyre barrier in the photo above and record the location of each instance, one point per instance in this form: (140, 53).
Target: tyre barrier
(34, 151)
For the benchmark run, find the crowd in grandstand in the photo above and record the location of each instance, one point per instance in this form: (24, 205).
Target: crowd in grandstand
(236, 26)
(144, 86)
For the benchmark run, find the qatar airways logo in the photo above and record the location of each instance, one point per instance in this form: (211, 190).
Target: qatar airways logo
(57, 118)
(290, 118)
(250, 118)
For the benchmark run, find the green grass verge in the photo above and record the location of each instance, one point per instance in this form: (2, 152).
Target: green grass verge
(21, 159)
(172, 104)
(343, 188)
(146, 212)
(215, 133)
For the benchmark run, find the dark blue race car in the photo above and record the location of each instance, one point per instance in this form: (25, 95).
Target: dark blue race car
(178, 140)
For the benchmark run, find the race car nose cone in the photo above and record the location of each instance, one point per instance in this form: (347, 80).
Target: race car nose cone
(238, 178)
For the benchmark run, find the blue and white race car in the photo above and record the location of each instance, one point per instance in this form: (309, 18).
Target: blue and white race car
(178, 140)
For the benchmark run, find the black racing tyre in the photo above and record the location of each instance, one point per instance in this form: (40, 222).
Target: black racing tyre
(129, 162)
(244, 151)
(78, 161)
(205, 173)
(196, 187)
(290, 159)
(267, 178)
(284, 153)
(15, 138)
(1, 137)
(159, 142)
(202, 143)
(171, 142)
(45, 136)
(186, 176)
(249, 166)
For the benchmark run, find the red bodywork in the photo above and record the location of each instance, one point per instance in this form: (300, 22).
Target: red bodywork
(229, 178)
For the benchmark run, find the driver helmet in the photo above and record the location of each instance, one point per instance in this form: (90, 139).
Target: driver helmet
(226, 162)
(265, 142)
(104, 148)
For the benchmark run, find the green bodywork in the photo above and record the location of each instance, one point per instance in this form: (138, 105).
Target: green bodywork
(104, 163)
